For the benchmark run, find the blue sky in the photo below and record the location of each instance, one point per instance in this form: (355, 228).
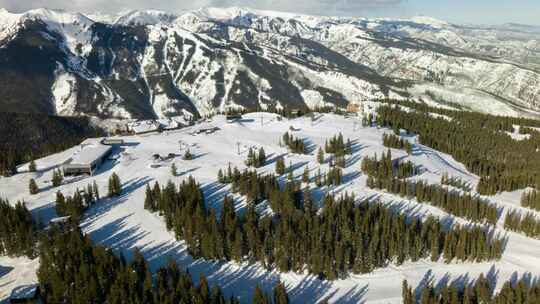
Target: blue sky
(473, 11)
(457, 11)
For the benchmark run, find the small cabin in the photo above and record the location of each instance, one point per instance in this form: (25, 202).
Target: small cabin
(91, 154)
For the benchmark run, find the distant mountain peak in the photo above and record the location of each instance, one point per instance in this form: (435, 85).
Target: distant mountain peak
(429, 21)
(145, 17)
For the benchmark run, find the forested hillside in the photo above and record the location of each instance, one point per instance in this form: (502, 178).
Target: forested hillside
(482, 142)
(31, 136)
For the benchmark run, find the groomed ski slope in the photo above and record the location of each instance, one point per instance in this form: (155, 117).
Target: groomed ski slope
(123, 224)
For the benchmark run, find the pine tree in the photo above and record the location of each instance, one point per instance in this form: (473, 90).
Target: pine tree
(320, 156)
(305, 175)
(406, 293)
(221, 177)
(33, 187)
(60, 201)
(57, 178)
(95, 189)
(290, 175)
(318, 178)
(251, 158)
(115, 186)
(32, 166)
(348, 147)
(261, 159)
(280, 294)
(174, 170)
(280, 166)
(259, 297)
(204, 289)
(188, 155)
(149, 199)
(89, 195)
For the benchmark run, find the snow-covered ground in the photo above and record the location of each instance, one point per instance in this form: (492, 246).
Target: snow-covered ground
(123, 224)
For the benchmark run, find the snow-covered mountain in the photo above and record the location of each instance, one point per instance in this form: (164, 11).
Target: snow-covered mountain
(146, 64)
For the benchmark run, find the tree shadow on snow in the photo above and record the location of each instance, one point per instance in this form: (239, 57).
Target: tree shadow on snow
(44, 214)
(309, 146)
(5, 270)
(214, 193)
(461, 281)
(272, 158)
(105, 204)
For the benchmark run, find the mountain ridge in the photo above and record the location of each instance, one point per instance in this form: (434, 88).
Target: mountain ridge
(150, 64)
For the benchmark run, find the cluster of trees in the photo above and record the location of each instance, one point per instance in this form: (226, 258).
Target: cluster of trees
(455, 182)
(337, 146)
(334, 177)
(478, 292)
(367, 120)
(95, 275)
(527, 224)
(527, 130)
(254, 186)
(279, 296)
(531, 199)
(17, 230)
(465, 205)
(115, 186)
(30, 136)
(296, 145)
(385, 168)
(256, 160)
(393, 141)
(343, 237)
(75, 205)
(478, 140)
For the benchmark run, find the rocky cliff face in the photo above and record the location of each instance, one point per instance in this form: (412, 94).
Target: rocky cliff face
(155, 64)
